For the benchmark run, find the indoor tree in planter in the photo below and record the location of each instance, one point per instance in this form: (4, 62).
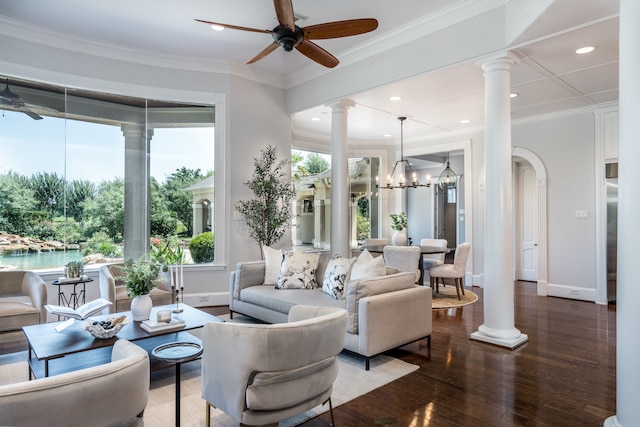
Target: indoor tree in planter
(268, 215)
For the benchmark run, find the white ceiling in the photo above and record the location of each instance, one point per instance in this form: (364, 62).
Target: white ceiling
(549, 78)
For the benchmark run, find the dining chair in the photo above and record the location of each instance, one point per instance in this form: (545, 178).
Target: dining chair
(377, 242)
(429, 260)
(404, 258)
(452, 271)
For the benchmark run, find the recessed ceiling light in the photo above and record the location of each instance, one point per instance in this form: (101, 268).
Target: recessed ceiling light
(395, 98)
(513, 95)
(586, 49)
(215, 27)
(315, 119)
(387, 135)
(465, 121)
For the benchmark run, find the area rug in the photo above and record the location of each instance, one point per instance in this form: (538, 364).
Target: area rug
(352, 381)
(448, 298)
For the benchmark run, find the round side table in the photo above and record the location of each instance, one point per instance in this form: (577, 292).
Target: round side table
(178, 353)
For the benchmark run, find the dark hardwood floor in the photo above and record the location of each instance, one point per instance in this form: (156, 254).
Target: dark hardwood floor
(564, 375)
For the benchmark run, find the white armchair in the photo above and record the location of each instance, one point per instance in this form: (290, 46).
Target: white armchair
(23, 295)
(430, 260)
(262, 374)
(108, 395)
(112, 289)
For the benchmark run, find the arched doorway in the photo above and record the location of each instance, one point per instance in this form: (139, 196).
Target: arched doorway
(530, 215)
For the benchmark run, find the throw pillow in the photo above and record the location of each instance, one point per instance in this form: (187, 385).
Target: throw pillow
(335, 276)
(298, 271)
(367, 266)
(272, 264)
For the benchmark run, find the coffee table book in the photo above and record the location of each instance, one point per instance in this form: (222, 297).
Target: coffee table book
(80, 313)
(152, 326)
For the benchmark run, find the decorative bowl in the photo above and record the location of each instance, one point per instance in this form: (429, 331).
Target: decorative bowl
(105, 329)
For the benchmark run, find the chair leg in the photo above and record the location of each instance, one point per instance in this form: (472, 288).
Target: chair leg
(208, 414)
(461, 285)
(333, 422)
(456, 283)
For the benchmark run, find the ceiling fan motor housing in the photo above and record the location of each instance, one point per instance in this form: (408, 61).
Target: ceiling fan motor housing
(286, 38)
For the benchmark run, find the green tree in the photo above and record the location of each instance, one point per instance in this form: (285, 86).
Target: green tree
(179, 201)
(268, 214)
(78, 192)
(18, 206)
(315, 163)
(297, 167)
(163, 221)
(105, 212)
(48, 189)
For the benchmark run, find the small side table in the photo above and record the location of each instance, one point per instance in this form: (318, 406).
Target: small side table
(77, 298)
(178, 353)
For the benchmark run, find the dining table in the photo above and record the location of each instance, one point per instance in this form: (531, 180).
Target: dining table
(424, 250)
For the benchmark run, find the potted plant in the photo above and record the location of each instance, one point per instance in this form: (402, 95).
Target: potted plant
(399, 223)
(73, 269)
(140, 277)
(268, 215)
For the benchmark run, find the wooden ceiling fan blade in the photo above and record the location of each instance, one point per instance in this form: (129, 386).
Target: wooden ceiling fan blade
(317, 54)
(273, 46)
(336, 29)
(284, 12)
(235, 27)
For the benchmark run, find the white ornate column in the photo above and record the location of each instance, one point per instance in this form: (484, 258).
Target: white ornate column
(628, 291)
(340, 178)
(137, 199)
(499, 305)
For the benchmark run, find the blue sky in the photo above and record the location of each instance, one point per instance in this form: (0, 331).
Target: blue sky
(94, 152)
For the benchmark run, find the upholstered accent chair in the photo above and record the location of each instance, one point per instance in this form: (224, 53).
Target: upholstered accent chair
(429, 260)
(265, 373)
(107, 395)
(403, 258)
(453, 271)
(114, 290)
(23, 295)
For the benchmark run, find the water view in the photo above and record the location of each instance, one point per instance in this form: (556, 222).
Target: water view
(39, 260)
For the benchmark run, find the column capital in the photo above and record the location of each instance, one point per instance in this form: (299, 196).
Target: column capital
(342, 104)
(501, 61)
(135, 130)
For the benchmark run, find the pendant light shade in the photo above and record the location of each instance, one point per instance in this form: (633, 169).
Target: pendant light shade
(448, 178)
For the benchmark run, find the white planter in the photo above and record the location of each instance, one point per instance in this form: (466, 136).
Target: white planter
(399, 238)
(141, 307)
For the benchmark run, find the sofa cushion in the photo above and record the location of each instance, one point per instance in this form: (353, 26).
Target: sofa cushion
(14, 315)
(281, 300)
(335, 276)
(272, 264)
(358, 289)
(367, 266)
(298, 271)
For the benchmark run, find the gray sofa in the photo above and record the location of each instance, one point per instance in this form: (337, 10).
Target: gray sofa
(384, 312)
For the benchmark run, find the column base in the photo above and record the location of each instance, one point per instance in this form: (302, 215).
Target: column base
(504, 338)
(612, 421)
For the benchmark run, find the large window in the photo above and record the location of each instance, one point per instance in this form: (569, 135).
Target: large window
(312, 178)
(86, 174)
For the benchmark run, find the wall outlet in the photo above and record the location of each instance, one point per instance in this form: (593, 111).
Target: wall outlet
(574, 292)
(204, 298)
(582, 214)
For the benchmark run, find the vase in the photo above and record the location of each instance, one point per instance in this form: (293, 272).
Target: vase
(399, 238)
(141, 307)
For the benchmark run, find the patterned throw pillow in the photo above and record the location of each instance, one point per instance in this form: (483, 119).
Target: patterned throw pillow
(298, 271)
(367, 267)
(272, 264)
(335, 276)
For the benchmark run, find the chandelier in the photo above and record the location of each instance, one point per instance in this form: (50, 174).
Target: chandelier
(402, 182)
(448, 178)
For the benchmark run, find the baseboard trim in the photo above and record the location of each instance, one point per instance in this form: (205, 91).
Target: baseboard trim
(571, 292)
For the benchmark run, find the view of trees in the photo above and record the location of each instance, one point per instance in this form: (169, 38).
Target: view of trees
(37, 206)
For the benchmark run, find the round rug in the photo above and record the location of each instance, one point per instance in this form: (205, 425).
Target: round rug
(448, 298)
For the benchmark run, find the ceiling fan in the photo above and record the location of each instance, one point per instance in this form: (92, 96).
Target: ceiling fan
(14, 101)
(289, 35)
